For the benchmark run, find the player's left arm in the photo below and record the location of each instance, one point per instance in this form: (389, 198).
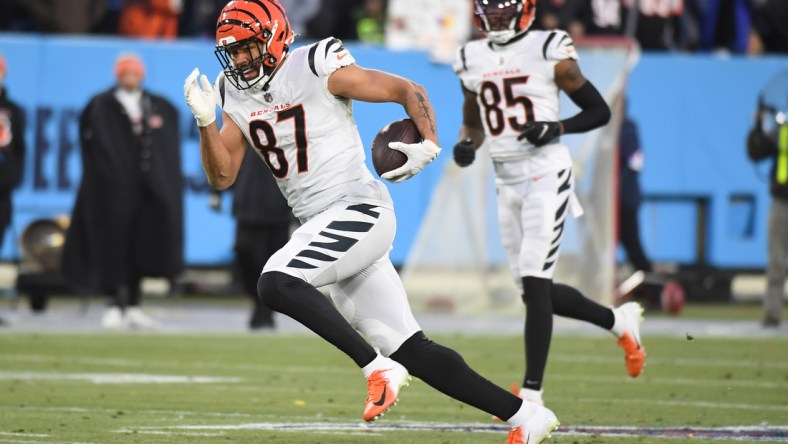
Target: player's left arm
(471, 131)
(594, 111)
(369, 85)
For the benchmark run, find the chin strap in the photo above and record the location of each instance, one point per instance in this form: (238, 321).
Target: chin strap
(267, 85)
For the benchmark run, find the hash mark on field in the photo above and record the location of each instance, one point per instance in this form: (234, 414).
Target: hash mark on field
(744, 433)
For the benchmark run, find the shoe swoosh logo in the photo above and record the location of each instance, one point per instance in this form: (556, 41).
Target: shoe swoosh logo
(382, 399)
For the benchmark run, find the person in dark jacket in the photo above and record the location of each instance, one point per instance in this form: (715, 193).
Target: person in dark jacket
(263, 221)
(12, 150)
(127, 222)
(773, 145)
(631, 160)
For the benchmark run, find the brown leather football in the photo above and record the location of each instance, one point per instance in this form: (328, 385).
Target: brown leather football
(385, 159)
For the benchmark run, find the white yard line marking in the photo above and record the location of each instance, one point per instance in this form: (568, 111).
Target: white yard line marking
(678, 362)
(28, 441)
(202, 365)
(743, 433)
(563, 357)
(693, 404)
(697, 382)
(161, 413)
(115, 378)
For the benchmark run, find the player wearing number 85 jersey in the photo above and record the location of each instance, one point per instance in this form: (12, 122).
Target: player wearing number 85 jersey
(295, 110)
(511, 81)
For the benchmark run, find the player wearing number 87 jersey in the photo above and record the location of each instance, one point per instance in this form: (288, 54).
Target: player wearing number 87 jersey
(294, 109)
(511, 82)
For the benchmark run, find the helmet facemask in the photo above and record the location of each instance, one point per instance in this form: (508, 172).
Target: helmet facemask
(502, 20)
(258, 59)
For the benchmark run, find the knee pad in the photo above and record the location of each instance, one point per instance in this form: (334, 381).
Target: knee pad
(536, 289)
(271, 288)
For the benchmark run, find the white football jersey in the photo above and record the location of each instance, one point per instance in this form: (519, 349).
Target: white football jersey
(306, 135)
(515, 84)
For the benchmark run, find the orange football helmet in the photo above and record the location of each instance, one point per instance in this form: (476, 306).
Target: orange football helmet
(501, 20)
(258, 28)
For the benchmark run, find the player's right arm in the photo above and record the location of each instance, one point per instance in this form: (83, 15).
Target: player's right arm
(471, 119)
(471, 131)
(221, 152)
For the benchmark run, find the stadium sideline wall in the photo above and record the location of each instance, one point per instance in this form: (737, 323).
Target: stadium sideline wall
(693, 112)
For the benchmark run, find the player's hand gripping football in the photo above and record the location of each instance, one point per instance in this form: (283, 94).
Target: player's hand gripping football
(464, 153)
(200, 101)
(540, 133)
(419, 155)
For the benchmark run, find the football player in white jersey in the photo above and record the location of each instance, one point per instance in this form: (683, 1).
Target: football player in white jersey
(295, 110)
(511, 81)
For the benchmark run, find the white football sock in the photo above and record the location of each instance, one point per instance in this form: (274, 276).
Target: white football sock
(619, 325)
(379, 363)
(522, 415)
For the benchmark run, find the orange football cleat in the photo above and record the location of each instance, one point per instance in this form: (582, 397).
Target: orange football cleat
(383, 388)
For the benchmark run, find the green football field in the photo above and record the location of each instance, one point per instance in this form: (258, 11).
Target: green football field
(96, 387)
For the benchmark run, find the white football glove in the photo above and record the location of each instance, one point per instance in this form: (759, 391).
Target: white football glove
(419, 155)
(200, 101)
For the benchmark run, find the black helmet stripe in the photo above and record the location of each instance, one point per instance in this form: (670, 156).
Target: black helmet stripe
(260, 4)
(281, 11)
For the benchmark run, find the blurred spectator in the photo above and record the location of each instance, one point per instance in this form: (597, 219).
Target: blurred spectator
(725, 25)
(653, 22)
(630, 163)
(770, 26)
(70, 17)
(263, 221)
(561, 14)
(688, 25)
(109, 22)
(12, 150)
(150, 19)
(603, 17)
(335, 18)
(371, 26)
(198, 18)
(300, 12)
(772, 144)
(14, 17)
(127, 221)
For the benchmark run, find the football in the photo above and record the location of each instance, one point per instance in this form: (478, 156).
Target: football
(385, 159)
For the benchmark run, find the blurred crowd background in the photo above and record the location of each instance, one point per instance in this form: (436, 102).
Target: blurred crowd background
(735, 26)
